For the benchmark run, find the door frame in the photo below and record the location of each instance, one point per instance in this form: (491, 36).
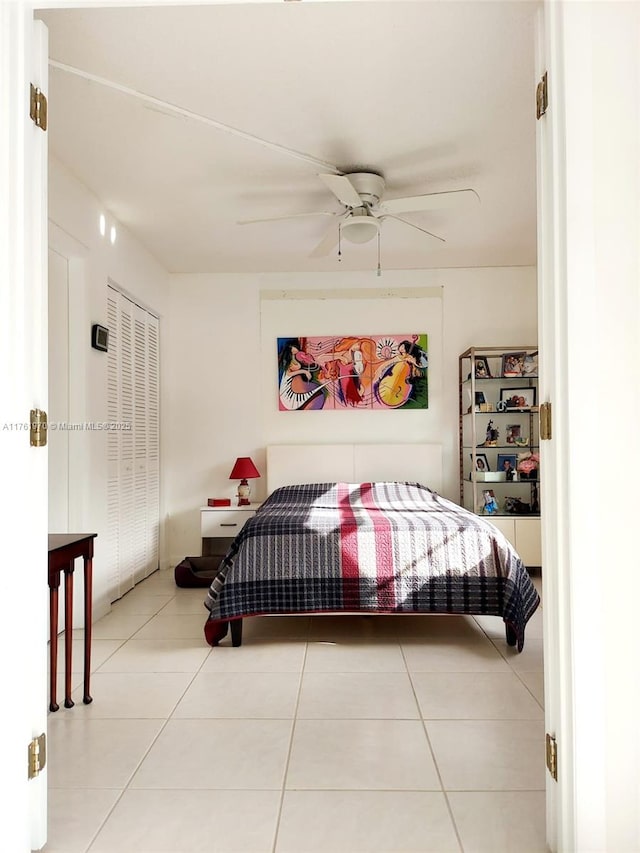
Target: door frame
(589, 269)
(23, 497)
(555, 497)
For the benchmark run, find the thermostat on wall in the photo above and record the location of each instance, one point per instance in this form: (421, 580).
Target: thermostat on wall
(100, 337)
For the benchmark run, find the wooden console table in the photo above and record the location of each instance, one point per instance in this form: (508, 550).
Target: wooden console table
(63, 550)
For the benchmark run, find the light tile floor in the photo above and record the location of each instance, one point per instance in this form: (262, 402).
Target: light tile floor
(318, 735)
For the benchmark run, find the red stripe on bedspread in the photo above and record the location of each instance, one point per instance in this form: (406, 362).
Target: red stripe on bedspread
(348, 551)
(385, 569)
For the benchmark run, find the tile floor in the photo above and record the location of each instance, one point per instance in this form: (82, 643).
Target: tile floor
(327, 734)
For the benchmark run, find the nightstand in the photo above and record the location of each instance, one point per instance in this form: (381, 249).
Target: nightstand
(219, 525)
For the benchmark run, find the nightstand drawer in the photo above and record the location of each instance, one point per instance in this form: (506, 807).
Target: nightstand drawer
(228, 522)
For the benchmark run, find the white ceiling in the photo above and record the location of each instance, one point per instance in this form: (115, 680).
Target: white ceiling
(434, 96)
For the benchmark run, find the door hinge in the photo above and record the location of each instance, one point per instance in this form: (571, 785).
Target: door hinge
(552, 757)
(38, 108)
(542, 96)
(545, 422)
(38, 428)
(37, 755)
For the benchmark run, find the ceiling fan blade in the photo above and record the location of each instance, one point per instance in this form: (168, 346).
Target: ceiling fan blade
(406, 222)
(343, 189)
(166, 106)
(430, 201)
(328, 242)
(290, 216)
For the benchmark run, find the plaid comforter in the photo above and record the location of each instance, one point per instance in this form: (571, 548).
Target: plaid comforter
(370, 547)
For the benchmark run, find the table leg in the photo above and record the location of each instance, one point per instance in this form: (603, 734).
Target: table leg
(53, 642)
(68, 633)
(88, 583)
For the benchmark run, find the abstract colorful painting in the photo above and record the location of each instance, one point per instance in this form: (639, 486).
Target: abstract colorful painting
(353, 372)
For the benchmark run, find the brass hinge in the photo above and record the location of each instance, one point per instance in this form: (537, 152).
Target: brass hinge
(37, 755)
(552, 757)
(38, 108)
(542, 96)
(545, 421)
(38, 428)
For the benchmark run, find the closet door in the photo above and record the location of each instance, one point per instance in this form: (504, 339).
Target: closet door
(140, 409)
(113, 442)
(153, 445)
(127, 449)
(133, 454)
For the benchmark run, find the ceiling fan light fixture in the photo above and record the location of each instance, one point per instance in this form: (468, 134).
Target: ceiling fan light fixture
(360, 228)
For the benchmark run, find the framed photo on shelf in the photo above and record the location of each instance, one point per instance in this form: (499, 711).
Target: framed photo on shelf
(482, 368)
(490, 502)
(482, 463)
(507, 462)
(512, 433)
(480, 398)
(518, 398)
(513, 363)
(530, 364)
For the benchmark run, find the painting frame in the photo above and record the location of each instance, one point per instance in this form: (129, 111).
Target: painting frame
(512, 364)
(353, 372)
(525, 397)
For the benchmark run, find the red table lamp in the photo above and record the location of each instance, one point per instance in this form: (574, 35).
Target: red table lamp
(244, 470)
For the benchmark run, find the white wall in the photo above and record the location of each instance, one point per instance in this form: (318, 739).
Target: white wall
(222, 395)
(73, 233)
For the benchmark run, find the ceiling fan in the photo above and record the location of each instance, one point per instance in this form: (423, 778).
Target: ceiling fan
(360, 193)
(362, 196)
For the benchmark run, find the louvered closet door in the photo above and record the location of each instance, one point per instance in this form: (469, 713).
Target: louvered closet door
(133, 480)
(113, 443)
(140, 445)
(126, 461)
(153, 445)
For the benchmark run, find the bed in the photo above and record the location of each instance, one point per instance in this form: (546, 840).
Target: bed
(330, 539)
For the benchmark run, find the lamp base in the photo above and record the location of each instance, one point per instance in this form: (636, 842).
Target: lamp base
(244, 490)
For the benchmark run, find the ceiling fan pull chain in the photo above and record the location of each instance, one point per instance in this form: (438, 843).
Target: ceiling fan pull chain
(379, 270)
(339, 243)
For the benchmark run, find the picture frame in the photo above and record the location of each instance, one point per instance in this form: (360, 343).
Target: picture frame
(363, 372)
(482, 368)
(480, 398)
(513, 364)
(482, 463)
(530, 365)
(507, 462)
(512, 433)
(518, 398)
(490, 502)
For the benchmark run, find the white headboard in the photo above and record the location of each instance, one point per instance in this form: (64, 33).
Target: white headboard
(292, 464)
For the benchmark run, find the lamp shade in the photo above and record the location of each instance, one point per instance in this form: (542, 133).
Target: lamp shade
(244, 469)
